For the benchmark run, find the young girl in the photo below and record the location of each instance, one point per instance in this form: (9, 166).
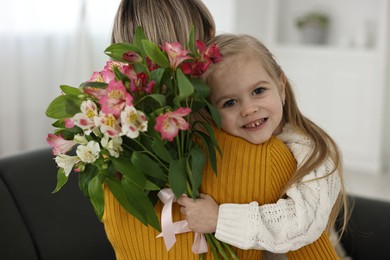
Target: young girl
(256, 103)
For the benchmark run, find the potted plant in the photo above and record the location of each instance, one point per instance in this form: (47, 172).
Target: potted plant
(313, 27)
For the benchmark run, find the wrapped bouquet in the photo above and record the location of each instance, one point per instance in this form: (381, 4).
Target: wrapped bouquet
(129, 127)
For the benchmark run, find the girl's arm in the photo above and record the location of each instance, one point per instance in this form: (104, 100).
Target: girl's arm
(286, 225)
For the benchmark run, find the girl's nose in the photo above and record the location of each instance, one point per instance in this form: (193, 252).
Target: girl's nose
(249, 109)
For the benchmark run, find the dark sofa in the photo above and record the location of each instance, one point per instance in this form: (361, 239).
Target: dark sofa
(36, 224)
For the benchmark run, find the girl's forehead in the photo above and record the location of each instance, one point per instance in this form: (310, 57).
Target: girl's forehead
(242, 58)
(240, 61)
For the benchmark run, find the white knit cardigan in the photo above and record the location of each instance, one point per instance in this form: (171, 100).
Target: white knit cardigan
(290, 223)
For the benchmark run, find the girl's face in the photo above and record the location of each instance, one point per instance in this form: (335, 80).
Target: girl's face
(249, 101)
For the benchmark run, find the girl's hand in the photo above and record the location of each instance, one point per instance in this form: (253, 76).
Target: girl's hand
(201, 214)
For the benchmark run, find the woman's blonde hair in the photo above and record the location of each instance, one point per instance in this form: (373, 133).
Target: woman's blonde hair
(163, 20)
(324, 146)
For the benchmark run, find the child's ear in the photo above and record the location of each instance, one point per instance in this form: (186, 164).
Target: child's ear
(282, 84)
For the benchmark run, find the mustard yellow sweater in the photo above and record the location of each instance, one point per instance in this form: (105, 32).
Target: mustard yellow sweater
(246, 173)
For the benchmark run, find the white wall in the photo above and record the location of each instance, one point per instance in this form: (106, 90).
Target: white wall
(224, 13)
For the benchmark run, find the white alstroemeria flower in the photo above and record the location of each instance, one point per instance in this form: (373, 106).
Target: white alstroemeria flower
(109, 125)
(114, 146)
(85, 119)
(88, 153)
(133, 121)
(66, 162)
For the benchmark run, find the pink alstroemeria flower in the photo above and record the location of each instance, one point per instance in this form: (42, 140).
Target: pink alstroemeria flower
(107, 74)
(59, 144)
(126, 69)
(69, 123)
(142, 84)
(116, 98)
(151, 65)
(175, 53)
(170, 123)
(200, 65)
(95, 92)
(211, 53)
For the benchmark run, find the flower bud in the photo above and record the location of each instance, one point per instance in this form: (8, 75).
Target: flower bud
(132, 57)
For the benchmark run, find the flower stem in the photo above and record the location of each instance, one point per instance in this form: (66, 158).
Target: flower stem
(228, 248)
(189, 191)
(212, 245)
(220, 249)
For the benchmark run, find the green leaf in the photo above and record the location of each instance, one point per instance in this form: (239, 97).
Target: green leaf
(210, 149)
(211, 135)
(68, 90)
(155, 54)
(148, 166)
(151, 186)
(116, 50)
(62, 179)
(119, 193)
(150, 103)
(59, 124)
(85, 177)
(177, 176)
(160, 150)
(214, 115)
(140, 201)
(191, 40)
(137, 40)
(140, 67)
(126, 167)
(184, 85)
(157, 75)
(93, 84)
(64, 106)
(201, 89)
(96, 195)
(198, 161)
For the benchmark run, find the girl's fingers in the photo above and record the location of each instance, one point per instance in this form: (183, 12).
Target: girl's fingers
(183, 200)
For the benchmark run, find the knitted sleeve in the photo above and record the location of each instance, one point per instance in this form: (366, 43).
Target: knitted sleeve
(290, 223)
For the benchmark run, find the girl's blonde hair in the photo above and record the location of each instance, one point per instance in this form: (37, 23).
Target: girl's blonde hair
(324, 146)
(163, 20)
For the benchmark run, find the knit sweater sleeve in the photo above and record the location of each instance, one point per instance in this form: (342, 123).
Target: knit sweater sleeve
(290, 223)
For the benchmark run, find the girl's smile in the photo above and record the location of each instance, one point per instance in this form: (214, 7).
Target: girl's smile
(255, 124)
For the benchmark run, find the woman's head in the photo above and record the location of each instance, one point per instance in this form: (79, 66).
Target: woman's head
(163, 20)
(247, 88)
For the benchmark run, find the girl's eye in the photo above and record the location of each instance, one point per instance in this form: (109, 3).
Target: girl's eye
(229, 103)
(258, 91)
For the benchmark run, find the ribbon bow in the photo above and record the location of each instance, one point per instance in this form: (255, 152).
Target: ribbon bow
(170, 228)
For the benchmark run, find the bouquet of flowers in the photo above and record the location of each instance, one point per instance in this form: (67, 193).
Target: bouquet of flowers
(128, 127)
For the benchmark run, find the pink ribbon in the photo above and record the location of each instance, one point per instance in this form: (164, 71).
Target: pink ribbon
(170, 229)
